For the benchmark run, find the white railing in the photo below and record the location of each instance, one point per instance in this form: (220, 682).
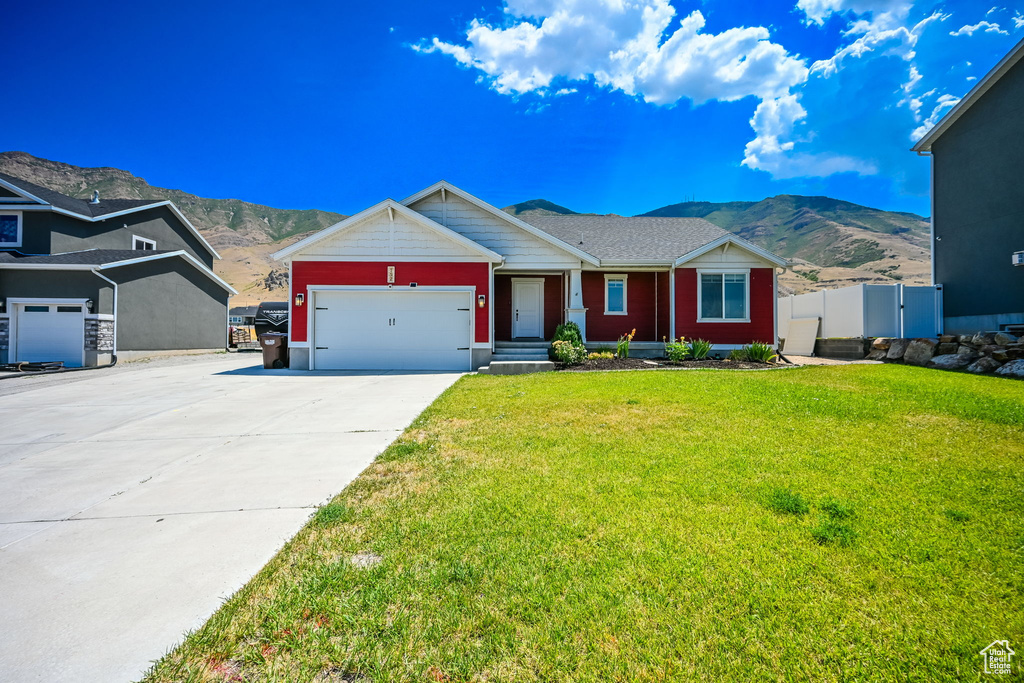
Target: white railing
(867, 311)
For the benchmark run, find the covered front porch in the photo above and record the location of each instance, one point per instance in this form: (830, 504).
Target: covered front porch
(530, 304)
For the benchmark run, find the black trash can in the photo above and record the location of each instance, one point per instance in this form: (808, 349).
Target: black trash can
(275, 350)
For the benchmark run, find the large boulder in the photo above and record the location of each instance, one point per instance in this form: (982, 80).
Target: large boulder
(881, 343)
(877, 354)
(1004, 338)
(948, 338)
(920, 351)
(983, 365)
(897, 348)
(1015, 368)
(988, 349)
(1000, 354)
(967, 350)
(966, 338)
(950, 361)
(946, 347)
(983, 338)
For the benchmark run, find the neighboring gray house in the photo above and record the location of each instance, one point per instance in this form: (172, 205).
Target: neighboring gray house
(978, 202)
(81, 281)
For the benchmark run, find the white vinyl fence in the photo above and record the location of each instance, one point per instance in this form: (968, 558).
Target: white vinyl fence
(867, 311)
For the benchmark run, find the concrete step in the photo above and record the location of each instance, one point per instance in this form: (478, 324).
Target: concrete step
(516, 367)
(502, 357)
(521, 349)
(521, 344)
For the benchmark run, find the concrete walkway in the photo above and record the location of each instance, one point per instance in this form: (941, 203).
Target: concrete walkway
(133, 502)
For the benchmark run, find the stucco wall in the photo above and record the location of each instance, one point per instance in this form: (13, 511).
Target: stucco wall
(46, 232)
(979, 204)
(168, 304)
(57, 284)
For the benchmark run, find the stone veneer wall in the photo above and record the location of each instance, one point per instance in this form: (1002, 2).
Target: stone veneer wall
(5, 327)
(979, 353)
(99, 335)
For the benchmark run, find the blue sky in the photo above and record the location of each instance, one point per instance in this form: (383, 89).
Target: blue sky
(601, 105)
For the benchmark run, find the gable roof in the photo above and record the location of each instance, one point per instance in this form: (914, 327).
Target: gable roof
(87, 211)
(644, 239)
(503, 215)
(390, 205)
(982, 87)
(100, 259)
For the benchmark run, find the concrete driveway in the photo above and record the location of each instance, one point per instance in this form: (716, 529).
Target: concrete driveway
(133, 501)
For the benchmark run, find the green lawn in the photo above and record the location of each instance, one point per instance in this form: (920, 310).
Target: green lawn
(825, 523)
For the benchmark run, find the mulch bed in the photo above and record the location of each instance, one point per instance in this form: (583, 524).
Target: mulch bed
(655, 363)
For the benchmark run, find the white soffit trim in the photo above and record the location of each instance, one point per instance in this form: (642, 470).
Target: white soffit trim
(983, 86)
(20, 192)
(184, 254)
(507, 217)
(740, 244)
(391, 206)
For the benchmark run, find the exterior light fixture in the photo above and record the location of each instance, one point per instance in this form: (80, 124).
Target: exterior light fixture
(88, 305)
(481, 300)
(300, 299)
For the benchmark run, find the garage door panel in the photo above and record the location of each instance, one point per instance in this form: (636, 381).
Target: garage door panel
(50, 332)
(405, 330)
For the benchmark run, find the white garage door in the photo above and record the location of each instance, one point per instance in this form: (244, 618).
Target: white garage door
(50, 332)
(392, 330)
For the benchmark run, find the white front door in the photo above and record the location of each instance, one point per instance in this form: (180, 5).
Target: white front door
(392, 330)
(528, 308)
(50, 332)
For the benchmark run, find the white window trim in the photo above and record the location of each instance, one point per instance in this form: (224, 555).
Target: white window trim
(724, 271)
(625, 299)
(17, 242)
(144, 240)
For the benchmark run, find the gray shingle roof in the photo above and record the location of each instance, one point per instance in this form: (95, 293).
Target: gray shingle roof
(80, 206)
(619, 238)
(89, 257)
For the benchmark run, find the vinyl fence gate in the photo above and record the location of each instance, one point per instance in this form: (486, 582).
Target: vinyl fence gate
(864, 311)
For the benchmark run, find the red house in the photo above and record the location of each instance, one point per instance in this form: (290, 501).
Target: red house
(445, 281)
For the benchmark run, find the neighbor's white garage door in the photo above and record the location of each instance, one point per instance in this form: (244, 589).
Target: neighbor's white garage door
(392, 330)
(50, 332)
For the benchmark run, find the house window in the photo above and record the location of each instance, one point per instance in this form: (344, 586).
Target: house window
(723, 297)
(142, 244)
(615, 295)
(10, 228)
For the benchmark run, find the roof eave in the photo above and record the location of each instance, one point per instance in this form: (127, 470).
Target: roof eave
(740, 243)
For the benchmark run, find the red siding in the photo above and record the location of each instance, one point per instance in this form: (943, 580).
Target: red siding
(306, 273)
(640, 308)
(762, 311)
(553, 298)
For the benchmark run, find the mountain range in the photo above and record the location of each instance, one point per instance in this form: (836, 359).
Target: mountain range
(832, 243)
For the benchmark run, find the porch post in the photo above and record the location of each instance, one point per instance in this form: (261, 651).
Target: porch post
(576, 313)
(672, 303)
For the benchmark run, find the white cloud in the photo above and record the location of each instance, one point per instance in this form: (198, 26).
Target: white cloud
(943, 105)
(1018, 20)
(818, 11)
(983, 26)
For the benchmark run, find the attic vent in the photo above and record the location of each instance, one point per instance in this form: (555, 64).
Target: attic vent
(581, 237)
(95, 197)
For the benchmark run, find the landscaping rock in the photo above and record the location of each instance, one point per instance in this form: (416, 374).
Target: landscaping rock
(897, 349)
(983, 365)
(1004, 338)
(950, 361)
(1014, 353)
(967, 350)
(988, 349)
(1000, 354)
(966, 338)
(946, 347)
(920, 351)
(877, 354)
(881, 343)
(1014, 368)
(982, 338)
(948, 339)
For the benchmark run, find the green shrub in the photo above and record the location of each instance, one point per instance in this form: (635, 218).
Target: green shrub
(600, 354)
(787, 502)
(676, 350)
(698, 349)
(759, 352)
(738, 354)
(569, 332)
(622, 347)
(568, 353)
(831, 532)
